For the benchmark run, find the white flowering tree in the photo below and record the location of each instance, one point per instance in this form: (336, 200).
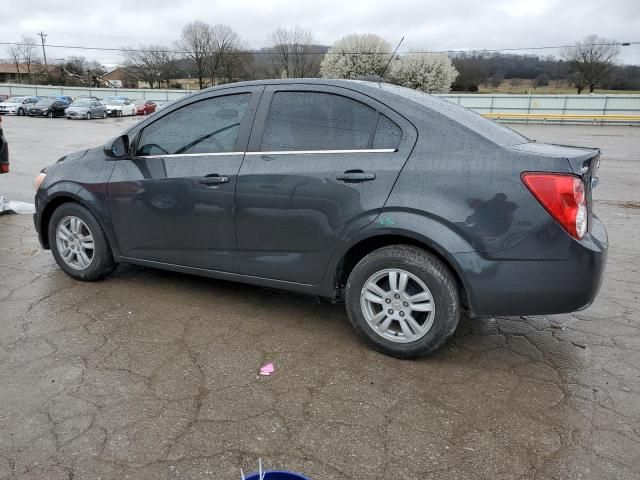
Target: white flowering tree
(355, 56)
(428, 72)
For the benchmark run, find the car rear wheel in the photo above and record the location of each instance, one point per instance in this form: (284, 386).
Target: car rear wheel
(104, 114)
(79, 244)
(402, 301)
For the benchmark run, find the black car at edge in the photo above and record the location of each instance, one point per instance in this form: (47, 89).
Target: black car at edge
(407, 206)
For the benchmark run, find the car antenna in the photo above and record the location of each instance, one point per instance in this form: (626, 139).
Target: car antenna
(391, 58)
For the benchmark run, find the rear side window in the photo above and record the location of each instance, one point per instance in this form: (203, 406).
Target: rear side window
(207, 126)
(388, 134)
(325, 121)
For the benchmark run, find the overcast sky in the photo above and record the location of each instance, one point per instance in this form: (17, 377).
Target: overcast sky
(428, 24)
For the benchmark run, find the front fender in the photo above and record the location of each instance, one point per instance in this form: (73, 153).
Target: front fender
(92, 197)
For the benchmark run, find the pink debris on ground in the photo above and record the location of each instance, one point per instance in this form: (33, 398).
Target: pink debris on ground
(267, 369)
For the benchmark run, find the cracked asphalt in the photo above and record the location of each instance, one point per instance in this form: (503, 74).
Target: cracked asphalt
(154, 375)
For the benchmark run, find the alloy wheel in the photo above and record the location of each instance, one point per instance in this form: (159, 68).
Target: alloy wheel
(397, 305)
(75, 243)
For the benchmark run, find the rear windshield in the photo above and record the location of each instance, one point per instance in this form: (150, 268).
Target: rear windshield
(489, 129)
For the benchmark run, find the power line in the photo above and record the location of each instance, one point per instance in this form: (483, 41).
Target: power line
(249, 52)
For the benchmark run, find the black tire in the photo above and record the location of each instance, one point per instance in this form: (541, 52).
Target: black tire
(432, 272)
(88, 115)
(102, 263)
(50, 114)
(20, 112)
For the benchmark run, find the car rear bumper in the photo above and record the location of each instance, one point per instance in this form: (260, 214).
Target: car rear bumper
(537, 286)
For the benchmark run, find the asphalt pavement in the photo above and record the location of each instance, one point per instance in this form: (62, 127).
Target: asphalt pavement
(154, 375)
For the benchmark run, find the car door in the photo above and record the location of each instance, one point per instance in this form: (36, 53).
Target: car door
(320, 165)
(173, 202)
(58, 108)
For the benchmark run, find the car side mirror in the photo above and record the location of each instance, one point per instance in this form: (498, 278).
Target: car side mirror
(117, 147)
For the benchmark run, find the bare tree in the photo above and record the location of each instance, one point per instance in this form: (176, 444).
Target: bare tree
(15, 53)
(224, 45)
(28, 54)
(195, 42)
(292, 50)
(151, 63)
(592, 61)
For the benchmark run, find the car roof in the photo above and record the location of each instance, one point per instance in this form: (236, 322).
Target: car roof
(407, 102)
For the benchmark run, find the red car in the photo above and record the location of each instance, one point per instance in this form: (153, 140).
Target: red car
(144, 107)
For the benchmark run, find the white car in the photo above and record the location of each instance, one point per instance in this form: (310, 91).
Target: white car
(119, 106)
(17, 105)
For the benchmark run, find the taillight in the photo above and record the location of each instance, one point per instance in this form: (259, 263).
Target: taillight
(563, 196)
(4, 168)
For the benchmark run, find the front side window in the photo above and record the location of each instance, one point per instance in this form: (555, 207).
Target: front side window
(318, 121)
(207, 126)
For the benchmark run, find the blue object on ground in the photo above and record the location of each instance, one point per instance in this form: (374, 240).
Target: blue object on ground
(277, 475)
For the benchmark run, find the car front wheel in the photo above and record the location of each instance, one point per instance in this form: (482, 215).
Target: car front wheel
(402, 301)
(79, 244)
(20, 112)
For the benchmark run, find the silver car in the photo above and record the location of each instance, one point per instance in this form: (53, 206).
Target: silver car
(86, 109)
(17, 105)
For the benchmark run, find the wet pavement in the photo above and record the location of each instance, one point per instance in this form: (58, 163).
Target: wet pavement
(153, 374)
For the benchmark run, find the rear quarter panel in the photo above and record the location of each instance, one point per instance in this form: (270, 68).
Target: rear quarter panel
(472, 187)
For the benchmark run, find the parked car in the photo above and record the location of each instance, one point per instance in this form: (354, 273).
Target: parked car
(409, 207)
(17, 105)
(87, 97)
(144, 107)
(65, 98)
(48, 107)
(86, 109)
(3, 97)
(119, 106)
(4, 152)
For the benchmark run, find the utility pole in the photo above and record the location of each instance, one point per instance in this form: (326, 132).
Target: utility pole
(44, 53)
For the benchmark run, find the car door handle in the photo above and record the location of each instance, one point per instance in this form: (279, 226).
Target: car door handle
(214, 179)
(356, 176)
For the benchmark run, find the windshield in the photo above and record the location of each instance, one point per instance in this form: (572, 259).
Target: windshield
(46, 101)
(114, 100)
(15, 99)
(81, 103)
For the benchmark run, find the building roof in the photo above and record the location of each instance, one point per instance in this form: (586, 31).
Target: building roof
(11, 68)
(35, 68)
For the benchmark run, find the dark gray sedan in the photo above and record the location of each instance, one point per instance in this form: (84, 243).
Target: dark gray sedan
(86, 109)
(408, 207)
